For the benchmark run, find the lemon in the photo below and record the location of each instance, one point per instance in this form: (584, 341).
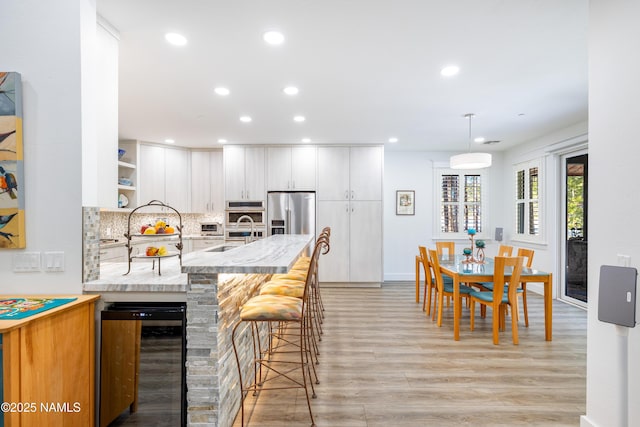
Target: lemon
(150, 230)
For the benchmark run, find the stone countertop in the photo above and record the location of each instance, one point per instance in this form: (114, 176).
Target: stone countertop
(274, 254)
(121, 241)
(141, 278)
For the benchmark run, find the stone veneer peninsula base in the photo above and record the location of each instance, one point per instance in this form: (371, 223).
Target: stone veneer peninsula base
(219, 283)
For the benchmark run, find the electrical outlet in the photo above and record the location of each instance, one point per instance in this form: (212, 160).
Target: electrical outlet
(26, 262)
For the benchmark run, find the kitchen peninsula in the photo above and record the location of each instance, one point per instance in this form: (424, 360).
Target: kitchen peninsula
(214, 283)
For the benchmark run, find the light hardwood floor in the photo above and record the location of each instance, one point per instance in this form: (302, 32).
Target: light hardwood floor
(383, 363)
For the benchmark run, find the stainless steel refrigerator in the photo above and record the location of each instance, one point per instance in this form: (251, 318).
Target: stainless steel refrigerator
(291, 212)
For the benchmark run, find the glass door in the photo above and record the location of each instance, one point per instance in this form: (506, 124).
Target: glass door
(576, 172)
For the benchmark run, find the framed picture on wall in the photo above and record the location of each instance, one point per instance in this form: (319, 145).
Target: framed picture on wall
(405, 202)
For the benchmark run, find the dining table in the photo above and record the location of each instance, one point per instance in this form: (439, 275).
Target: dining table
(461, 271)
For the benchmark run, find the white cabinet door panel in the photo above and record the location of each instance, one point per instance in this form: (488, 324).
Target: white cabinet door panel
(365, 250)
(366, 173)
(333, 173)
(255, 188)
(303, 168)
(177, 179)
(216, 176)
(234, 173)
(151, 169)
(334, 266)
(279, 169)
(200, 182)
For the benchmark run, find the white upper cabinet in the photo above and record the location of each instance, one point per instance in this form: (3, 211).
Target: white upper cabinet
(176, 178)
(353, 173)
(163, 175)
(291, 168)
(244, 173)
(207, 182)
(366, 173)
(333, 173)
(151, 169)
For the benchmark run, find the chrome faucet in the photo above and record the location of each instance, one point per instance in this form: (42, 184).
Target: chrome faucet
(249, 238)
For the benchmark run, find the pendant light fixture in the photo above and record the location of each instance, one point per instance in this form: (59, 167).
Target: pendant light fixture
(470, 160)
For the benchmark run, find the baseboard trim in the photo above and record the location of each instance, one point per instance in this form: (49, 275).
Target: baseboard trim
(586, 422)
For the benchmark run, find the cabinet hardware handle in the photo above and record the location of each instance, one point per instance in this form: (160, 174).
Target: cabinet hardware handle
(346, 194)
(353, 194)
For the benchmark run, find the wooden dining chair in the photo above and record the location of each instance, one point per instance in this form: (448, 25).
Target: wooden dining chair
(498, 299)
(448, 247)
(505, 250)
(527, 256)
(443, 289)
(429, 287)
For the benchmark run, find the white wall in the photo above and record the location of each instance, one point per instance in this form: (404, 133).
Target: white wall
(414, 170)
(549, 149)
(42, 42)
(614, 153)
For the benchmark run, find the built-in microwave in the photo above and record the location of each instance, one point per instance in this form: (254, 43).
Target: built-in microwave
(211, 229)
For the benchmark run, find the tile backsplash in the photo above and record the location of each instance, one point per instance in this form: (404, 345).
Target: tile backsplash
(113, 225)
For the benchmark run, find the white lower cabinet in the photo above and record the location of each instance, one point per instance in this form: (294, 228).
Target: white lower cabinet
(113, 254)
(200, 244)
(356, 241)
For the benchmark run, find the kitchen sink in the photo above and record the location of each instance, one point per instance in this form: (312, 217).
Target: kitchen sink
(222, 248)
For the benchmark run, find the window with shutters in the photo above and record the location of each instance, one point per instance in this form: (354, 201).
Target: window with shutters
(528, 201)
(461, 197)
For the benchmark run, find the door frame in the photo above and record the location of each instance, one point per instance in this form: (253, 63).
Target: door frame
(562, 241)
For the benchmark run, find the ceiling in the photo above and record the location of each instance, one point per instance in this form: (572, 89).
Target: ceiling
(367, 70)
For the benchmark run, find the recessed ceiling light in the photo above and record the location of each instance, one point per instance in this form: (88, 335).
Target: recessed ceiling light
(245, 119)
(273, 37)
(299, 119)
(450, 70)
(176, 39)
(479, 139)
(222, 141)
(222, 91)
(170, 141)
(393, 140)
(291, 90)
(306, 140)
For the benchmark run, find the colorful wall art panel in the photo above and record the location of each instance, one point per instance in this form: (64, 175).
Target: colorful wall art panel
(12, 227)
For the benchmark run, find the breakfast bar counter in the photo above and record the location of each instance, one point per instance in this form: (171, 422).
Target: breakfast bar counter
(215, 283)
(218, 284)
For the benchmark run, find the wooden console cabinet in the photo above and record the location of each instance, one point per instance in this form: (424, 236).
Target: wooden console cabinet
(48, 363)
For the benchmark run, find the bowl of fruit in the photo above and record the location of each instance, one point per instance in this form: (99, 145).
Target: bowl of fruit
(157, 252)
(159, 228)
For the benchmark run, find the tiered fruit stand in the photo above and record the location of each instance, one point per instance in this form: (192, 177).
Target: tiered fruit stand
(129, 235)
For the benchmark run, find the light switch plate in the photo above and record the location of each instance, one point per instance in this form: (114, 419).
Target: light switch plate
(53, 261)
(26, 262)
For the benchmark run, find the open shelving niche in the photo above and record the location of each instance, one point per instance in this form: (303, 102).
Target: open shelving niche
(127, 168)
(129, 235)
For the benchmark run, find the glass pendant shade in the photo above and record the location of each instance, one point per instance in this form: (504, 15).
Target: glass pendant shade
(470, 161)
